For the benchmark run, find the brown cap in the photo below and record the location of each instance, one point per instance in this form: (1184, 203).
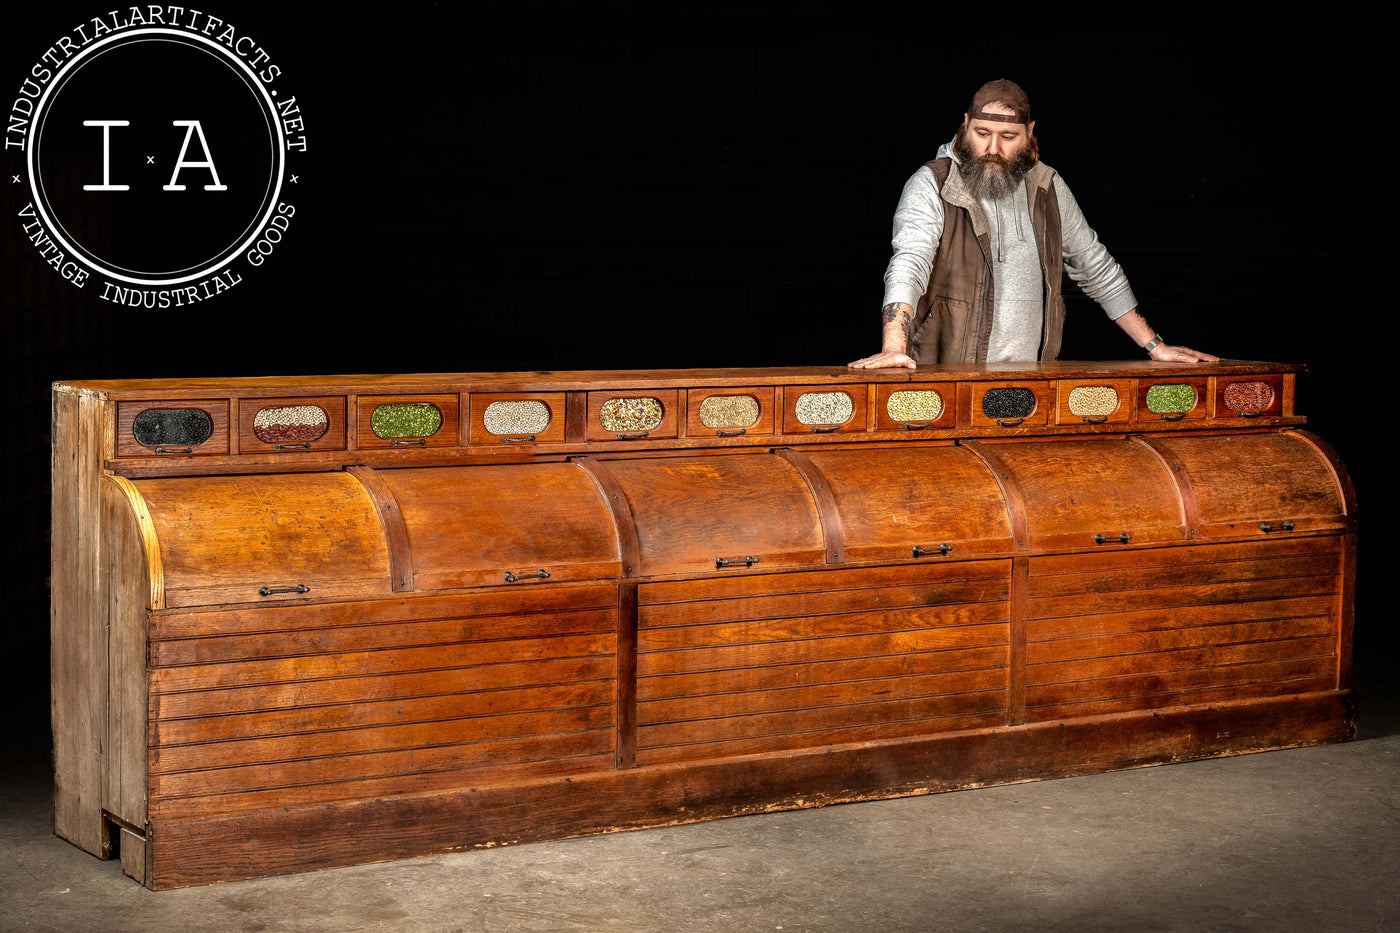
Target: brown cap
(1005, 92)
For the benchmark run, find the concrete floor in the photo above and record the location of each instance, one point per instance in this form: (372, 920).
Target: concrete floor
(1296, 840)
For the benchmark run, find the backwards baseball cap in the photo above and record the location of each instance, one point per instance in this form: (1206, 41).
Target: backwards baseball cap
(1004, 92)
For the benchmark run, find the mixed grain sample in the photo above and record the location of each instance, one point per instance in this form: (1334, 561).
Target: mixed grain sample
(295, 424)
(626, 415)
(824, 408)
(720, 412)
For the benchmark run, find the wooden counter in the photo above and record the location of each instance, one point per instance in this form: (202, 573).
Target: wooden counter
(317, 621)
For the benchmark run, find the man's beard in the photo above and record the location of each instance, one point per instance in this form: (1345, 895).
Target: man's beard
(991, 176)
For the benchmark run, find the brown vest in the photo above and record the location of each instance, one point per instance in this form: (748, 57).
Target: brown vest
(953, 321)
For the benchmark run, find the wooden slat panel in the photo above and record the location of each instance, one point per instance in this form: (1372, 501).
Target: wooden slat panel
(819, 581)
(1167, 640)
(303, 694)
(191, 623)
(409, 761)
(760, 631)
(1186, 557)
(204, 676)
(1172, 682)
(1091, 603)
(1134, 578)
(863, 732)
(795, 722)
(309, 746)
(316, 642)
(783, 697)
(820, 649)
(393, 785)
(1181, 698)
(357, 714)
(822, 672)
(1065, 671)
(1149, 620)
(971, 589)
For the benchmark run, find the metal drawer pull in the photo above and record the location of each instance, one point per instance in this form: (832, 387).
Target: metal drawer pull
(1281, 526)
(825, 428)
(1121, 539)
(734, 561)
(512, 576)
(306, 446)
(916, 425)
(1095, 419)
(1174, 416)
(731, 433)
(941, 550)
(174, 450)
(1249, 414)
(420, 442)
(518, 440)
(632, 436)
(274, 591)
(1009, 422)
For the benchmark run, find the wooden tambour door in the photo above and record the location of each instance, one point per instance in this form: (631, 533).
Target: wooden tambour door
(770, 662)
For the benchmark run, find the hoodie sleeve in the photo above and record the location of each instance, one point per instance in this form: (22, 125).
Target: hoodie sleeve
(1088, 261)
(918, 226)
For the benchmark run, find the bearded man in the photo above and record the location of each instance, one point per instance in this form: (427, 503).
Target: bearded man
(981, 234)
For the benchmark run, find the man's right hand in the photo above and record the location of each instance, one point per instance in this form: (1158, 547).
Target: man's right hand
(884, 360)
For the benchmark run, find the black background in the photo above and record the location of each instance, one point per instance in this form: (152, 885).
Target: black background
(534, 186)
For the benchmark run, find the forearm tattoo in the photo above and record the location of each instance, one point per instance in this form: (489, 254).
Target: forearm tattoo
(895, 312)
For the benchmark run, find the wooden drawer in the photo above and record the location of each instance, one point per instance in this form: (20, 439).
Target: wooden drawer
(1173, 399)
(1248, 396)
(516, 418)
(729, 412)
(632, 415)
(915, 407)
(1004, 404)
(827, 409)
(291, 424)
(196, 426)
(406, 421)
(1094, 401)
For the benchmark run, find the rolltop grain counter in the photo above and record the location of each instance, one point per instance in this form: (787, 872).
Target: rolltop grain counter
(308, 622)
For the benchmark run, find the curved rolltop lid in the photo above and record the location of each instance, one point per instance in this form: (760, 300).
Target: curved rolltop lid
(497, 525)
(942, 500)
(1087, 492)
(691, 512)
(1252, 484)
(232, 539)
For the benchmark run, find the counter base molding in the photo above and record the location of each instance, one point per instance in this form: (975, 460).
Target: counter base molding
(382, 651)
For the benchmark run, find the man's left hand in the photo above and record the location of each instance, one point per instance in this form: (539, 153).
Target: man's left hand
(1166, 353)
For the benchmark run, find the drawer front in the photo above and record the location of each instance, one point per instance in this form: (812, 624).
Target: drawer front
(1094, 401)
(289, 425)
(516, 418)
(915, 408)
(1006, 404)
(406, 421)
(1179, 399)
(197, 427)
(649, 414)
(729, 412)
(838, 409)
(1248, 396)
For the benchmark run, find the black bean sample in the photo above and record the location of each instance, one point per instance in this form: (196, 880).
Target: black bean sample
(1008, 403)
(179, 427)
